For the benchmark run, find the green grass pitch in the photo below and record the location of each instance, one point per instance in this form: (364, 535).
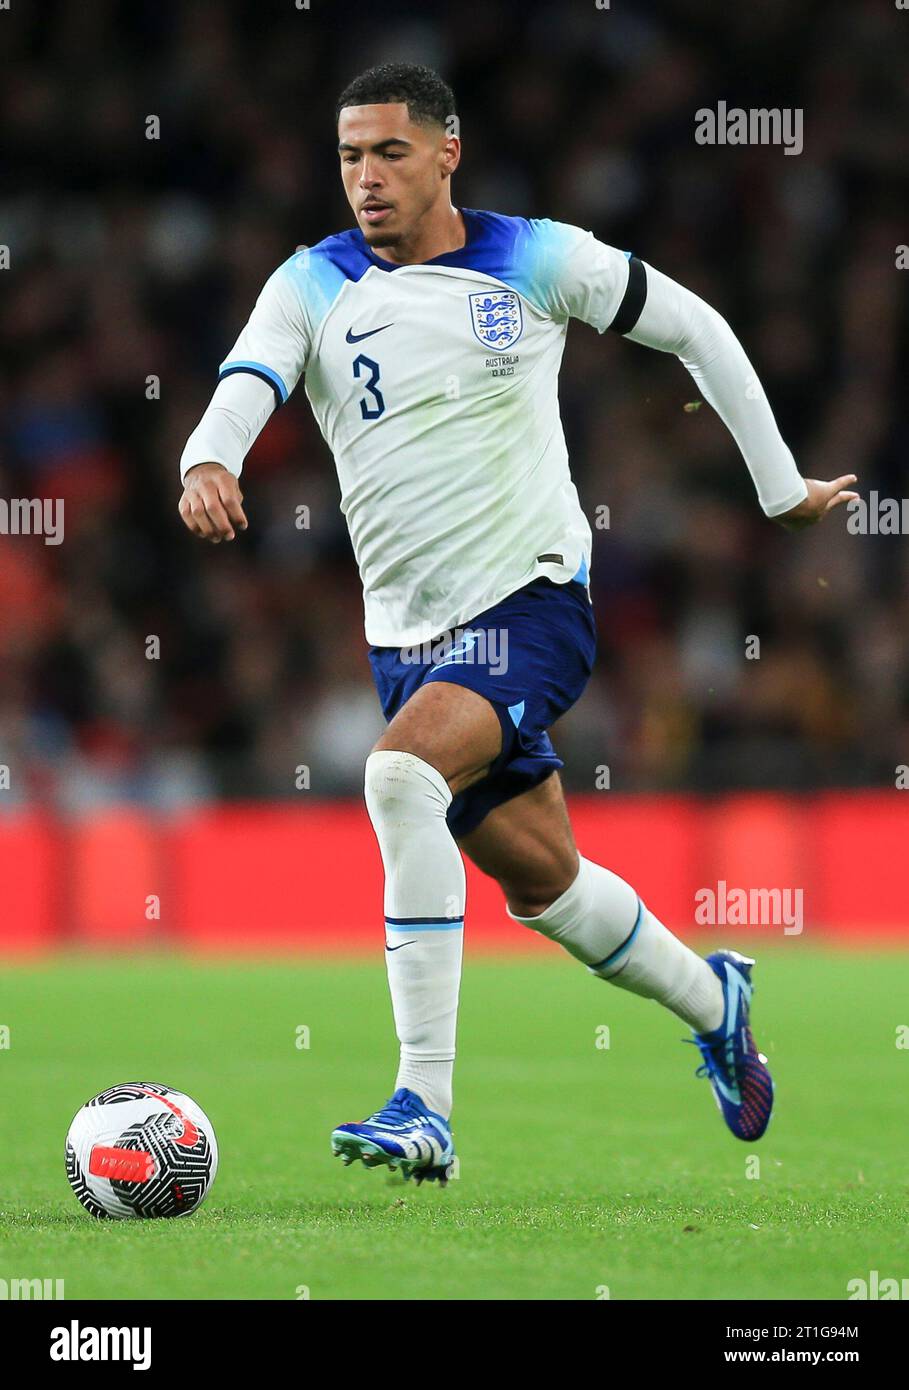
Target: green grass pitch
(582, 1168)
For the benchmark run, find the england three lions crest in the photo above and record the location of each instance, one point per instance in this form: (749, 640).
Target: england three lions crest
(497, 318)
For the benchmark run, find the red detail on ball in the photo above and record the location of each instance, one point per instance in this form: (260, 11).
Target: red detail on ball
(121, 1165)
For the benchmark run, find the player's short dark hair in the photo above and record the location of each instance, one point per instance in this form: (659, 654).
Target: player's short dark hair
(430, 100)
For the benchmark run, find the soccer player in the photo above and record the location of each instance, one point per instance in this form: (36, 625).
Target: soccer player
(430, 338)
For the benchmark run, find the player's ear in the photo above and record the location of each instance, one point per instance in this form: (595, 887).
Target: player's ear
(450, 156)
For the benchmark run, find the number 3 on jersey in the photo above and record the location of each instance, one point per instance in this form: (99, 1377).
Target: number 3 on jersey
(361, 365)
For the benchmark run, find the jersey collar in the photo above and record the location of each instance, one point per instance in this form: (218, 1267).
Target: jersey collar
(462, 258)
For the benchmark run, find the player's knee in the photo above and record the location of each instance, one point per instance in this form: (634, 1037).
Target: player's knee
(402, 789)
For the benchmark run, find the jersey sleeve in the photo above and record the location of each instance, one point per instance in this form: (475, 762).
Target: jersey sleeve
(573, 275)
(236, 415)
(671, 318)
(275, 342)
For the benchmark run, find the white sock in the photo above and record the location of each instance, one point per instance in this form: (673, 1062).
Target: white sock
(601, 921)
(425, 891)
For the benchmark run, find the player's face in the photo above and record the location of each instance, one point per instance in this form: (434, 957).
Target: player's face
(394, 171)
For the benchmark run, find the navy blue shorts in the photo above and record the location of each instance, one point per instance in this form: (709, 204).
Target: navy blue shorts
(531, 656)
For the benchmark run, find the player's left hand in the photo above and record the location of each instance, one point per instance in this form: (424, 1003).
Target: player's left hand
(821, 499)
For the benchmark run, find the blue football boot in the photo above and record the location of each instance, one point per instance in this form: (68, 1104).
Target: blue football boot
(404, 1135)
(742, 1085)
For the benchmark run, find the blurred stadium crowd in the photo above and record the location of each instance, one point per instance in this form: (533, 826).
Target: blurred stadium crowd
(133, 258)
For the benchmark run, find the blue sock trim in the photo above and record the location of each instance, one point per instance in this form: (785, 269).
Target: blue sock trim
(424, 923)
(625, 946)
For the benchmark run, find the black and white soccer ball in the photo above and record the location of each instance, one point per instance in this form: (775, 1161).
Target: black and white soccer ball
(141, 1150)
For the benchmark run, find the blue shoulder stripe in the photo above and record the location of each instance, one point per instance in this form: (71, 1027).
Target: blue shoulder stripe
(526, 254)
(320, 272)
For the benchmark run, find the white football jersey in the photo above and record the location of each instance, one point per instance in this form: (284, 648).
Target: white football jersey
(436, 389)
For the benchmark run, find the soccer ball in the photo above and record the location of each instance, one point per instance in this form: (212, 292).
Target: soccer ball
(141, 1150)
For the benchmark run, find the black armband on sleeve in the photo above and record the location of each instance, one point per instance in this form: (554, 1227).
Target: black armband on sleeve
(251, 369)
(629, 310)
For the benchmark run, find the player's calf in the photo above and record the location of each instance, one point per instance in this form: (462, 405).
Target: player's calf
(442, 737)
(601, 921)
(407, 800)
(601, 912)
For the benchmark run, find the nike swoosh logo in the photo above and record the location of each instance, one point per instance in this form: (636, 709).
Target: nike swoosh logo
(403, 943)
(731, 1093)
(734, 990)
(353, 337)
(190, 1136)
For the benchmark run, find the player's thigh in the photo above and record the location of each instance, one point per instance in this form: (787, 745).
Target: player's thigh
(450, 727)
(527, 845)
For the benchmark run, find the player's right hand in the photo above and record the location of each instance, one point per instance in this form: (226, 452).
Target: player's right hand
(211, 503)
